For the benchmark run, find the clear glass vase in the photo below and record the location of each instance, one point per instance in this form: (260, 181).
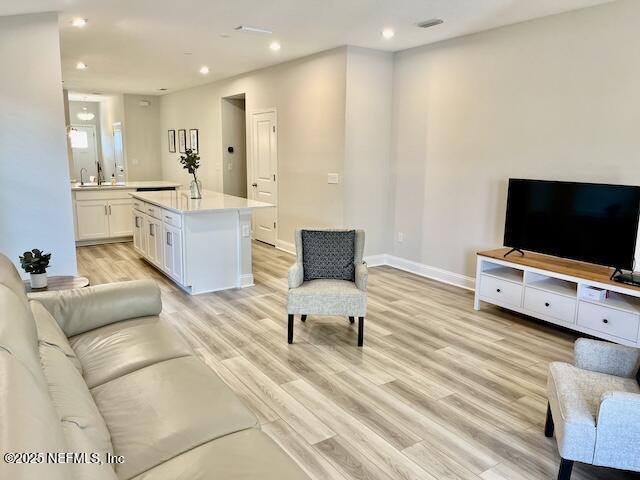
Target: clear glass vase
(196, 189)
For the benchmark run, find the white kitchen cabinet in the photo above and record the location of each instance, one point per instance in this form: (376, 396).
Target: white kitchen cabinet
(139, 238)
(120, 224)
(92, 219)
(155, 247)
(103, 214)
(172, 239)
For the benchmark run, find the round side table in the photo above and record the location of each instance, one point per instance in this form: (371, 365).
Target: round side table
(59, 283)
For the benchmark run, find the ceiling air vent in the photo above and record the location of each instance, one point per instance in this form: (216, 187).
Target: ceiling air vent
(430, 23)
(246, 28)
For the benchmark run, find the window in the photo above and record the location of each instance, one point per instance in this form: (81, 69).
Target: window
(79, 139)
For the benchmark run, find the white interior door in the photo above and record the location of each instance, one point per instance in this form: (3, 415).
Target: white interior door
(84, 149)
(263, 176)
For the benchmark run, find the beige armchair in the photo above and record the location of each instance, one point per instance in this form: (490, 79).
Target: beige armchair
(594, 407)
(328, 296)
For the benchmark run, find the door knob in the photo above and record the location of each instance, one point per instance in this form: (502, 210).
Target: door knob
(254, 184)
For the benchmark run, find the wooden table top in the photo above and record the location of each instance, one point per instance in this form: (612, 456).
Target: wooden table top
(574, 268)
(59, 283)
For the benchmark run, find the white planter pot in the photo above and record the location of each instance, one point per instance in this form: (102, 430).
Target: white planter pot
(38, 280)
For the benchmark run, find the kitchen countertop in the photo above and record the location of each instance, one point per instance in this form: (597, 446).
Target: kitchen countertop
(127, 185)
(180, 201)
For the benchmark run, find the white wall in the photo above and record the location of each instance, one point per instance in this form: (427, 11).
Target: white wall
(367, 166)
(35, 198)
(309, 95)
(555, 98)
(234, 134)
(141, 127)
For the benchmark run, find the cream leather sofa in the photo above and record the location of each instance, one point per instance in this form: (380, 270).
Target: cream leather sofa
(94, 371)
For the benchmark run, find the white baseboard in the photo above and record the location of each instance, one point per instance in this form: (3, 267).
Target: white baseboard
(286, 246)
(435, 273)
(444, 276)
(246, 280)
(376, 260)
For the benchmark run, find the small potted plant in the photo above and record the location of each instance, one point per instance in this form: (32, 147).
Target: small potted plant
(191, 162)
(35, 263)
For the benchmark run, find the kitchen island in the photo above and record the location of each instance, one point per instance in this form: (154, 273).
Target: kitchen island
(203, 245)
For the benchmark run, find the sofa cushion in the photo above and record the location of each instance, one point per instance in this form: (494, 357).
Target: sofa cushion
(10, 277)
(28, 422)
(72, 400)
(246, 455)
(327, 297)
(79, 442)
(328, 254)
(123, 347)
(574, 395)
(50, 333)
(166, 409)
(18, 334)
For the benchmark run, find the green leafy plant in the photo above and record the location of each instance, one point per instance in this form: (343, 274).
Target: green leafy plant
(35, 261)
(191, 162)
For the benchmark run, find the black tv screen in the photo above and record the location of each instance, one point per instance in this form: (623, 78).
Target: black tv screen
(590, 222)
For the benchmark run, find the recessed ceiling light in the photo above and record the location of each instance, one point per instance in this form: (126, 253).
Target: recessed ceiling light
(81, 66)
(275, 46)
(388, 33)
(79, 22)
(204, 70)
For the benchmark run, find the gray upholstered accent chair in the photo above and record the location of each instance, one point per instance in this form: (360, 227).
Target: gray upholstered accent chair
(594, 407)
(328, 296)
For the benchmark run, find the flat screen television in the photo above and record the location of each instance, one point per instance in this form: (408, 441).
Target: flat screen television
(591, 222)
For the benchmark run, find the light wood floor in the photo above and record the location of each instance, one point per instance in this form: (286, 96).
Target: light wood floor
(439, 391)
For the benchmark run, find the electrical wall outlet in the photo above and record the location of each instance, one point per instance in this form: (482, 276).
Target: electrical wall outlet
(333, 178)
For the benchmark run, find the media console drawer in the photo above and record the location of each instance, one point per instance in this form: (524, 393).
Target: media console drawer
(551, 304)
(502, 290)
(608, 320)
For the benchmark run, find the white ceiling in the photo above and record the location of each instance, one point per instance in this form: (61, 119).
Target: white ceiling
(139, 46)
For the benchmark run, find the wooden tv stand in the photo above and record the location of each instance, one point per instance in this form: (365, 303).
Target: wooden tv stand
(553, 289)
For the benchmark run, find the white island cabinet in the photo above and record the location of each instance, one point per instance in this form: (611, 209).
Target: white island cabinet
(204, 245)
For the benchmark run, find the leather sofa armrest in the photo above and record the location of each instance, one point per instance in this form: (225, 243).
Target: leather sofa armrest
(296, 275)
(82, 309)
(362, 276)
(605, 357)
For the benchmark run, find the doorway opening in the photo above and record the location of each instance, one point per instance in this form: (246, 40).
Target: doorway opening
(234, 146)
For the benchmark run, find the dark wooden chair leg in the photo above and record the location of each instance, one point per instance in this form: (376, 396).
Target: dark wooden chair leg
(290, 329)
(352, 319)
(549, 426)
(360, 331)
(565, 469)
(303, 318)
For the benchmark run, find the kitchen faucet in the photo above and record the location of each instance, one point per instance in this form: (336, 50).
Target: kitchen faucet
(100, 174)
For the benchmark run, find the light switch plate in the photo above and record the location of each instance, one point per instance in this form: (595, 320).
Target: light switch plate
(333, 178)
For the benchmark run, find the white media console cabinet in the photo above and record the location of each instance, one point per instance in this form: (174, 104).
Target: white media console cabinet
(554, 290)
